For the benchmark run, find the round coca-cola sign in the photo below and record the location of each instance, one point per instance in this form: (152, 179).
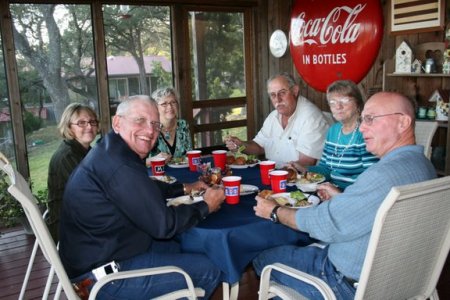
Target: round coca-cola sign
(331, 40)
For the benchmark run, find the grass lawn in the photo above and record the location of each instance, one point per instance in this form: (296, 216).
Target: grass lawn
(46, 142)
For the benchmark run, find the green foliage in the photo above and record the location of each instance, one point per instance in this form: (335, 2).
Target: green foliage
(30, 122)
(164, 78)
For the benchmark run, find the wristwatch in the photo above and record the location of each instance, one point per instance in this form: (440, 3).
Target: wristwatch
(273, 215)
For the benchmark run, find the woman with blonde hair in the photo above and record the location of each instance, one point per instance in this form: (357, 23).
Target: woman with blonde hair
(78, 127)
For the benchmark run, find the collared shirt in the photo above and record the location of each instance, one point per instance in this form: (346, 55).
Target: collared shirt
(305, 133)
(112, 210)
(346, 221)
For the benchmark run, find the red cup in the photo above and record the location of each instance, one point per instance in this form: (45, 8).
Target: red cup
(264, 168)
(220, 159)
(278, 180)
(193, 159)
(232, 186)
(158, 164)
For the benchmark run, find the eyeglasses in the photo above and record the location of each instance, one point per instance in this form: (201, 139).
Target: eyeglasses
(84, 124)
(140, 121)
(171, 103)
(281, 93)
(368, 119)
(341, 101)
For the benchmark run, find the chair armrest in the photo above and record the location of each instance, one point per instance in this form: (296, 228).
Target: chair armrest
(190, 292)
(318, 283)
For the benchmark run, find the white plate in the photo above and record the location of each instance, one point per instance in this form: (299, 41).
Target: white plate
(185, 199)
(165, 178)
(313, 200)
(247, 189)
(178, 166)
(243, 166)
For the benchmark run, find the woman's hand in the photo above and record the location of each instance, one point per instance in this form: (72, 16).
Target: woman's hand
(326, 191)
(297, 166)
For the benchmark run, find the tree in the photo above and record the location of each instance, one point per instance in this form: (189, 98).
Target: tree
(139, 31)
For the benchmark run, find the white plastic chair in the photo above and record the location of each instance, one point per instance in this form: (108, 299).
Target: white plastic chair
(424, 132)
(20, 190)
(407, 250)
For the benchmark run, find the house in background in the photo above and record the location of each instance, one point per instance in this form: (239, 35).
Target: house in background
(123, 75)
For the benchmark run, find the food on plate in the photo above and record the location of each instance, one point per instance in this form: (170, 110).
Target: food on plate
(265, 194)
(240, 158)
(178, 160)
(283, 201)
(311, 177)
(230, 159)
(297, 195)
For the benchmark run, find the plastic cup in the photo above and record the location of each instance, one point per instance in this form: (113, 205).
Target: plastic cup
(232, 186)
(220, 159)
(278, 180)
(158, 164)
(193, 159)
(265, 167)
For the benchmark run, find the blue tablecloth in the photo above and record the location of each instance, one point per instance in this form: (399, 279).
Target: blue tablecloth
(233, 236)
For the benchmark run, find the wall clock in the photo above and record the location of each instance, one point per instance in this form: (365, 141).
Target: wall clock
(278, 43)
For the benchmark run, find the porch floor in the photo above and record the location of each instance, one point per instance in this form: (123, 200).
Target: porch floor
(16, 248)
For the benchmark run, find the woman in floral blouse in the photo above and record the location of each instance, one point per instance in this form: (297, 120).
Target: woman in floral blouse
(175, 138)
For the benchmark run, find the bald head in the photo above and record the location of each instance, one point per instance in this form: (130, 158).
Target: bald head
(388, 122)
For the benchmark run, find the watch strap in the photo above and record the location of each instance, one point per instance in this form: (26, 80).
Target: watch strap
(273, 214)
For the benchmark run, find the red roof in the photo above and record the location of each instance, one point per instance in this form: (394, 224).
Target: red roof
(126, 65)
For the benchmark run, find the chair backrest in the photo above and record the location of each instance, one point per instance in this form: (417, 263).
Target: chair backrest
(424, 132)
(20, 190)
(409, 243)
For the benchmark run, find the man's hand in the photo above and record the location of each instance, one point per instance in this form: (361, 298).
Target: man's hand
(214, 197)
(233, 143)
(326, 191)
(264, 207)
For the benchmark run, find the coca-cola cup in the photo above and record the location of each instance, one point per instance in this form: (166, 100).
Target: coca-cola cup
(264, 168)
(232, 186)
(220, 159)
(158, 164)
(194, 159)
(278, 180)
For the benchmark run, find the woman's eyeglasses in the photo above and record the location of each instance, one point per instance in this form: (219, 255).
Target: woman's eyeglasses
(84, 124)
(166, 104)
(341, 101)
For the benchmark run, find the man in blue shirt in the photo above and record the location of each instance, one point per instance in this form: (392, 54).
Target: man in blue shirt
(113, 214)
(345, 222)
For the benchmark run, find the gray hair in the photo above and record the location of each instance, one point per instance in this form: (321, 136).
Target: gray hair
(164, 92)
(347, 88)
(288, 77)
(124, 106)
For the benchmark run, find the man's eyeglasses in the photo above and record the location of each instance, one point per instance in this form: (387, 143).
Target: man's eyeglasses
(281, 93)
(166, 104)
(84, 124)
(140, 121)
(368, 119)
(341, 101)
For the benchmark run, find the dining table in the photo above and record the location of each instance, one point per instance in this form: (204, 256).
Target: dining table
(233, 236)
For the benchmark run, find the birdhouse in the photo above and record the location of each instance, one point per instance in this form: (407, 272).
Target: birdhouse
(441, 98)
(416, 66)
(403, 58)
